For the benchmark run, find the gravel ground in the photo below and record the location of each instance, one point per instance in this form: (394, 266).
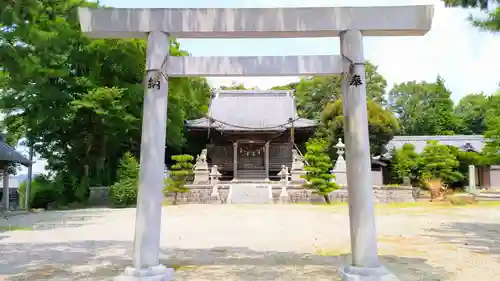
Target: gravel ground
(253, 242)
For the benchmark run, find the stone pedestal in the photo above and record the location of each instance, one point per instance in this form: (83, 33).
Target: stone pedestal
(201, 176)
(201, 172)
(340, 168)
(472, 180)
(284, 192)
(296, 176)
(154, 273)
(283, 199)
(297, 170)
(98, 195)
(352, 273)
(214, 181)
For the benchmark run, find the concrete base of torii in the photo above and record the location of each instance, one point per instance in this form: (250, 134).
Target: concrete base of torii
(352, 273)
(155, 273)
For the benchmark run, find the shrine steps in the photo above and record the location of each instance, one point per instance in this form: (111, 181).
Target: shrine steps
(251, 174)
(250, 193)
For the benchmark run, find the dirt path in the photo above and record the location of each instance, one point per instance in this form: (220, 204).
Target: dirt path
(259, 242)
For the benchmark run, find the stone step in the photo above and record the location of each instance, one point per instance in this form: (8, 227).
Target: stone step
(251, 174)
(249, 194)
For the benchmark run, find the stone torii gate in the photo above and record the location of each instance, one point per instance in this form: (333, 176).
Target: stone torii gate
(350, 23)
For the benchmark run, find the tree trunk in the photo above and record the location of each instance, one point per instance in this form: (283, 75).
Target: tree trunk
(175, 198)
(327, 199)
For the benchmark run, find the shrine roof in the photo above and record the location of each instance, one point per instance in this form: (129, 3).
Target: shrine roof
(464, 142)
(251, 110)
(10, 155)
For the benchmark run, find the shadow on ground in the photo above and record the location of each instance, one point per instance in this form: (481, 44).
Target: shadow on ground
(102, 260)
(477, 237)
(52, 219)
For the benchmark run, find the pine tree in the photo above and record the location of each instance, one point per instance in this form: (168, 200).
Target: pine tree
(437, 161)
(179, 174)
(318, 168)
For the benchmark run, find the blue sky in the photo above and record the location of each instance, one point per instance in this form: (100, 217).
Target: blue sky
(468, 59)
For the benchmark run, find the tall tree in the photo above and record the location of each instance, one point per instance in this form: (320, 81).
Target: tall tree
(423, 108)
(313, 93)
(382, 126)
(79, 100)
(491, 7)
(470, 111)
(492, 132)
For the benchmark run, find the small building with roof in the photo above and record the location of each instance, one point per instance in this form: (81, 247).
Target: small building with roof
(9, 156)
(252, 133)
(486, 176)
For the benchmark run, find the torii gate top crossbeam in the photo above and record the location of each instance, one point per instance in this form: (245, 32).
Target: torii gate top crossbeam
(256, 22)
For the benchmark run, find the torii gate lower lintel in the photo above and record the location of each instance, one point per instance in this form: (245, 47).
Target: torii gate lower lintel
(350, 23)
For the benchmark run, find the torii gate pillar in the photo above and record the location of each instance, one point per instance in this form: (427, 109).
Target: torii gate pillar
(350, 23)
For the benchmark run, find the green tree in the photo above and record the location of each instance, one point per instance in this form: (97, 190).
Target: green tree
(490, 7)
(79, 101)
(437, 161)
(470, 111)
(123, 193)
(382, 126)
(465, 158)
(318, 168)
(236, 86)
(289, 86)
(313, 93)
(179, 174)
(405, 162)
(423, 108)
(491, 149)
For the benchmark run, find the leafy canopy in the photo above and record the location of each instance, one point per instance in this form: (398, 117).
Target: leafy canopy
(437, 161)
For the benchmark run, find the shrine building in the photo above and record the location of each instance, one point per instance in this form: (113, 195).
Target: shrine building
(252, 133)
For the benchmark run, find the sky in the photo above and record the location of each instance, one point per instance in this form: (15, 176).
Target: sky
(461, 54)
(468, 59)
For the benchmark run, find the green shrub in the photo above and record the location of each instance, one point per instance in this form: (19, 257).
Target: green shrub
(123, 193)
(179, 174)
(318, 168)
(42, 193)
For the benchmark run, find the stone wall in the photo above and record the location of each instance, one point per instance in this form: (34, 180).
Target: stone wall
(201, 195)
(381, 194)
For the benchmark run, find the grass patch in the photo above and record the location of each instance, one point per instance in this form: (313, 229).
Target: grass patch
(322, 204)
(14, 228)
(331, 252)
(182, 267)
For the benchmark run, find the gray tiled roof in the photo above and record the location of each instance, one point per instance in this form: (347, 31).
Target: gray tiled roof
(251, 110)
(466, 142)
(9, 154)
